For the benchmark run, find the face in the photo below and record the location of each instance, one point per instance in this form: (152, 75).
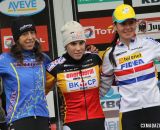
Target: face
(126, 30)
(27, 40)
(76, 49)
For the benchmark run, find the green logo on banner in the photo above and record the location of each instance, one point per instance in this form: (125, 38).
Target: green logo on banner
(94, 1)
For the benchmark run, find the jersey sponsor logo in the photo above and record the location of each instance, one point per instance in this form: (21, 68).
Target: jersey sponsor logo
(118, 54)
(132, 64)
(27, 64)
(137, 48)
(129, 58)
(55, 62)
(83, 73)
(91, 83)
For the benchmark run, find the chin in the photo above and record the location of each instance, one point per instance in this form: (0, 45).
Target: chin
(29, 48)
(77, 58)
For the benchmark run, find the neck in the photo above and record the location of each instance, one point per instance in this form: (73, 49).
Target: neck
(126, 41)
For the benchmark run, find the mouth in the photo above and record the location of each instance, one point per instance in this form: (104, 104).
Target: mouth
(129, 32)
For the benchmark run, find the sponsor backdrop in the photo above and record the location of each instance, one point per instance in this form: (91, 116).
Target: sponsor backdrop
(110, 105)
(92, 5)
(41, 11)
(7, 39)
(96, 17)
(38, 10)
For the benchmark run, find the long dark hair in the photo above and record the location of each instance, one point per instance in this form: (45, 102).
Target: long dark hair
(16, 51)
(113, 44)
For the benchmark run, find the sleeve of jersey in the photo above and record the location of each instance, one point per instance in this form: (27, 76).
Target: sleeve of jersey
(3, 65)
(47, 59)
(154, 46)
(98, 59)
(49, 82)
(50, 77)
(107, 76)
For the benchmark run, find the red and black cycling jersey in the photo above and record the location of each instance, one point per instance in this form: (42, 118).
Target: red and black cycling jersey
(79, 83)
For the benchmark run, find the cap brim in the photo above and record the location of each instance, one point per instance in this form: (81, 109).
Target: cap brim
(121, 21)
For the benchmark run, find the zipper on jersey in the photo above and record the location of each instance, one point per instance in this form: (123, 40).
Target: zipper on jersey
(84, 93)
(34, 94)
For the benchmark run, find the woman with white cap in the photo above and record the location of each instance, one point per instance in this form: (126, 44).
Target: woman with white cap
(23, 72)
(77, 75)
(130, 63)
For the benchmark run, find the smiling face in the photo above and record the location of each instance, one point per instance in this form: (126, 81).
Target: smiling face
(76, 49)
(126, 30)
(27, 40)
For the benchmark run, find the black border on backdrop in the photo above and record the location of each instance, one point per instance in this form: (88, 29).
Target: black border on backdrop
(104, 13)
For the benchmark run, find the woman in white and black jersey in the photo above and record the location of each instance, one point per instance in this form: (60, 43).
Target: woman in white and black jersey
(130, 62)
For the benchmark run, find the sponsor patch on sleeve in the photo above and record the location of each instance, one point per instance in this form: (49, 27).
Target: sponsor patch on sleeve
(54, 63)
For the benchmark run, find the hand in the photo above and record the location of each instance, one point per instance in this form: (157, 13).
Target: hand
(2, 115)
(62, 111)
(92, 48)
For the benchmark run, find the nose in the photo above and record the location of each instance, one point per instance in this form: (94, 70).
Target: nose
(30, 36)
(78, 47)
(127, 26)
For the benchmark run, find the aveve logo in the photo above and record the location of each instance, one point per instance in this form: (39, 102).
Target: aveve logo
(21, 7)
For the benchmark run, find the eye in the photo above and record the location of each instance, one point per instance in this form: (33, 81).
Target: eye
(25, 33)
(128, 22)
(32, 32)
(73, 43)
(82, 42)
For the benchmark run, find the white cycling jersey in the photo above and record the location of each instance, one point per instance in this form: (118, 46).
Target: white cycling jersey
(134, 75)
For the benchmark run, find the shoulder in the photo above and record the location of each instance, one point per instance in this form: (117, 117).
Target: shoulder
(148, 40)
(57, 61)
(46, 56)
(107, 51)
(47, 59)
(94, 56)
(4, 56)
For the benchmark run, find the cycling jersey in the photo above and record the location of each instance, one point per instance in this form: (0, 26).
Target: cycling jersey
(79, 84)
(24, 86)
(134, 74)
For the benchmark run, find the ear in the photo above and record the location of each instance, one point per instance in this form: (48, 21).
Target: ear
(114, 28)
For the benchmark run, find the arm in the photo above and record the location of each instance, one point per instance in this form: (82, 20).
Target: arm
(51, 73)
(2, 112)
(107, 75)
(92, 49)
(153, 45)
(49, 82)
